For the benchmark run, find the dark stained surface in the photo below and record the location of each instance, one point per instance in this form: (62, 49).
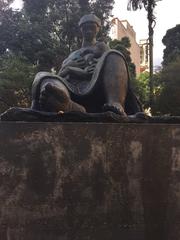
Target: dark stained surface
(89, 181)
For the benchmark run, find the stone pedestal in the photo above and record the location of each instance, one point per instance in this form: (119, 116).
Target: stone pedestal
(89, 181)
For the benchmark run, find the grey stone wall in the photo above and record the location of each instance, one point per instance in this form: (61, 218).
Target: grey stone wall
(89, 181)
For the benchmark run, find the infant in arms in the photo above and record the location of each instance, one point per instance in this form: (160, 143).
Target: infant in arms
(81, 63)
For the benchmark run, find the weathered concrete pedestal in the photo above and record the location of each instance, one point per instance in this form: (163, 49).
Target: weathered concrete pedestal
(89, 181)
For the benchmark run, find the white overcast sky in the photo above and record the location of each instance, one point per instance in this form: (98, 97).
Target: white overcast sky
(167, 16)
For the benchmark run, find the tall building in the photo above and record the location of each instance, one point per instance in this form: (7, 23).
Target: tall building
(122, 29)
(144, 55)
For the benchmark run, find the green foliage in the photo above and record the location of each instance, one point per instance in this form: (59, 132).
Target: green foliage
(168, 97)
(53, 28)
(46, 31)
(5, 4)
(125, 41)
(102, 9)
(39, 37)
(16, 76)
(172, 42)
(138, 4)
(141, 88)
(123, 45)
(84, 6)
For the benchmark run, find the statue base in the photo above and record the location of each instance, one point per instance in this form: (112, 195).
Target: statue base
(89, 181)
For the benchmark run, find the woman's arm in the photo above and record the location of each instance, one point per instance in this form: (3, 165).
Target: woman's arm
(74, 71)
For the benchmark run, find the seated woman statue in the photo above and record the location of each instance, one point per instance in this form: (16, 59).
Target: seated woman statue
(92, 79)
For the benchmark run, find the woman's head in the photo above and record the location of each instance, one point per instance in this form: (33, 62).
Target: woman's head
(89, 25)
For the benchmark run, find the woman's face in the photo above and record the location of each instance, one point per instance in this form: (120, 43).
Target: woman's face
(89, 30)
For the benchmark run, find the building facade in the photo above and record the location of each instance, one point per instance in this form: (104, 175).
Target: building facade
(122, 29)
(144, 55)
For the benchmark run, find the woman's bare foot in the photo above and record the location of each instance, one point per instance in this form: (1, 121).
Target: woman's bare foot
(114, 107)
(53, 98)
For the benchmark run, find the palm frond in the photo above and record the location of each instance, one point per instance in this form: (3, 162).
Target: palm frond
(138, 4)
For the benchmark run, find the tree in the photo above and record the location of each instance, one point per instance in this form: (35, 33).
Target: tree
(172, 42)
(149, 6)
(54, 27)
(8, 26)
(168, 97)
(39, 37)
(84, 6)
(141, 88)
(16, 76)
(46, 31)
(5, 4)
(103, 9)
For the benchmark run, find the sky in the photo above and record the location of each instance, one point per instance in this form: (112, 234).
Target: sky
(167, 16)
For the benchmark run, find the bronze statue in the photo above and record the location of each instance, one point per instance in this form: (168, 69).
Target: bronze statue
(92, 79)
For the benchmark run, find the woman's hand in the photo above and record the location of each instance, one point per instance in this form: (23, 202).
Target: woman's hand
(78, 63)
(64, 72)
(78, 72)
(90, 69)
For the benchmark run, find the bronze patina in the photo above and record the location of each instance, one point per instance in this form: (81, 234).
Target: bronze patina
(91, 79)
